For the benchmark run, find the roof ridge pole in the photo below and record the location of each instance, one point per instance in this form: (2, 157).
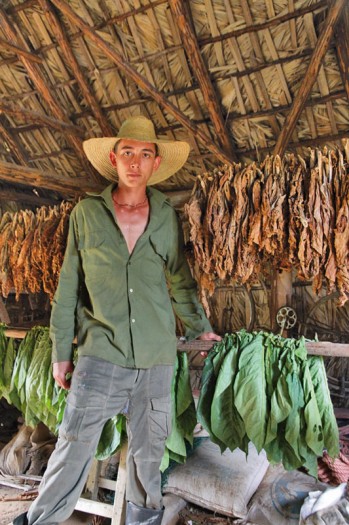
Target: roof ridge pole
(310, 76)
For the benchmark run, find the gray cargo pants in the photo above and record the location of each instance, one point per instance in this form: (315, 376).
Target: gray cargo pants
(99, 390)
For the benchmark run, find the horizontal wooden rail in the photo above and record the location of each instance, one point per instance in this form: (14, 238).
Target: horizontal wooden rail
(324, 348)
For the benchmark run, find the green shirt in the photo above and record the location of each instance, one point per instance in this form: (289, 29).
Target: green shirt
(120, 305)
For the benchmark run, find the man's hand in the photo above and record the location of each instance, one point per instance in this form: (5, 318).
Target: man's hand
(208, 336)
(60, 371)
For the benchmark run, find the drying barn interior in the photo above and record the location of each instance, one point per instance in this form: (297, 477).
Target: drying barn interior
(260, 91)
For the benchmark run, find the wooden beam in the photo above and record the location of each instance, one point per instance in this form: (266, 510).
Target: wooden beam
(40, 119)
(180, 12)
(20, 52)
(141, 81)
(62, 39)
(16, 174)
(39, 81)
(342, 44)
(26, 198)
(310, 76)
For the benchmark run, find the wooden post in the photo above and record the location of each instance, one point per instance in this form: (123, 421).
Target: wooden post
(281, 293)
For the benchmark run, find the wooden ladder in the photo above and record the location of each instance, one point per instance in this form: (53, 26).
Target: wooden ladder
(95, 481)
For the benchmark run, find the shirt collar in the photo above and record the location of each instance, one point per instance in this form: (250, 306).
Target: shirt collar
(156, 197)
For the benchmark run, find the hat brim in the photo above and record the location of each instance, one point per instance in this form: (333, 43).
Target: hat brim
(174, 155)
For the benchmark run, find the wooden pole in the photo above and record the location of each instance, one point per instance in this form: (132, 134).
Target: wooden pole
(310, 76)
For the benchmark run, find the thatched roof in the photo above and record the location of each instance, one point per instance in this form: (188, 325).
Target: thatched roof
(238, 79)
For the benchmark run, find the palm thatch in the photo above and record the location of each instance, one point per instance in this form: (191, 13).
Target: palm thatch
(238, 79)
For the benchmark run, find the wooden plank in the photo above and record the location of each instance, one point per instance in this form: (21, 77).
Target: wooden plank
(94, 507)
(310, 76)
(119, 507)
(326, 348)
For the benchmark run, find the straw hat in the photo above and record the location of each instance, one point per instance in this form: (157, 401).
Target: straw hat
(174, 153)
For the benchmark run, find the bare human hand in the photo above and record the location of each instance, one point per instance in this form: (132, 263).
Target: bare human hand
(62, 372)
(208, 336)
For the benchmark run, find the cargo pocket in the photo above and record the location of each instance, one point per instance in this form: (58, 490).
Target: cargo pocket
(82, 425)
(159, 416)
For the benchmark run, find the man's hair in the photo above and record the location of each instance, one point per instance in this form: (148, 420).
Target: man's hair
(156, 148)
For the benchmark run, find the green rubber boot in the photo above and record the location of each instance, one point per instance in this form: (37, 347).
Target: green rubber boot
(142, 516)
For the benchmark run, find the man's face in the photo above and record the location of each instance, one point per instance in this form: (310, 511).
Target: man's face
(135, 162)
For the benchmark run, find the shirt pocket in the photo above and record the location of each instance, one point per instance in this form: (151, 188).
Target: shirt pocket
(95, 256)
(153, 269)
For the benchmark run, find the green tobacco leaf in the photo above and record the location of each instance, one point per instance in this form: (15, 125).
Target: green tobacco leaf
(250, 391)
(314, 435)
(3, 346)
(227, 426)
(175, 441)
(324, 403)
(111, 437)
(185, 405)
(210, 373)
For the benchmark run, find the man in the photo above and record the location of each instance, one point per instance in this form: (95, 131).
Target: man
(124, 273)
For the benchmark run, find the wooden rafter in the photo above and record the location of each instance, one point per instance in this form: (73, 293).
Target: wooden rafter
(182, 16)
(342, 44)
(310, 76)
(62, 39)
(39, 81)
(142, 82)
(15, 174)
(20, 52)
(40, 119)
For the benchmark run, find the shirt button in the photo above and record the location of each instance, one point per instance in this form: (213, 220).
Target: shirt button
(133, 320)
(131, 290)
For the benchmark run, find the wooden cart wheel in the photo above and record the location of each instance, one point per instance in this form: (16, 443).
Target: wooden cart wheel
(327, 321)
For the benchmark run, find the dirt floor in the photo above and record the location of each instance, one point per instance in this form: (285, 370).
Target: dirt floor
(10, 507)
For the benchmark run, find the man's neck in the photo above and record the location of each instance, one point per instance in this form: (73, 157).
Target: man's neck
(130, 196)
